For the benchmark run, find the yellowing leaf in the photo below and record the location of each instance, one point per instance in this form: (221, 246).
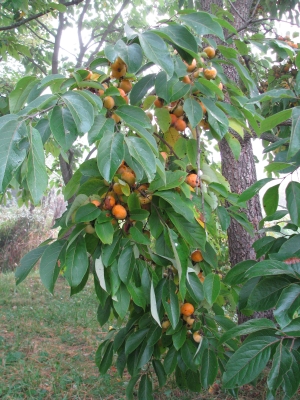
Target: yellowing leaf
(171, 136)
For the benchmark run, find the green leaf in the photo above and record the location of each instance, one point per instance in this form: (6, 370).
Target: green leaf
(273, 95)
(126, 264)
(139, 214)
(107, 359)
(281, 363)
(134, 340)
(275, 119)
(293, 204)
(163, 118)
(143, 154)
(246, 328)
(203, 24)
(101, 126)
(276, 166)
(194, 287)
(291, 377)
(170, 302)
(137, 120)
(178, 203)
(122, 301)
(130, 387)
(182, 37)
(87, 212)
(81, 109)
(109, 252)
(209, 368)
(105, 232)
(193, 111)
(138, 236)
(253, 190)
(59, 7)
(270, 199)
(293, 328)
(234, 145)
(269, 267)
(37, 177)
(187, 352)
(110, 154)
(12, 153)
(160, 372)
(28, 262)
(179, 338)
(173, 179)
(190, 230)
(141, 88)
(287, 304)
(170, 360)
(131, 54)
(76, 262)
(63, 127)
(153, 304)
(18, 97)
(237, 274)
(224, 217)
(247, 362)
(211, 287)
(156, 51)
(295, 133)
(51, 262)
(145, 388)
(266, 293)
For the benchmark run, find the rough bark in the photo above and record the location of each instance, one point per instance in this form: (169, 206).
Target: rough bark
(240, 174)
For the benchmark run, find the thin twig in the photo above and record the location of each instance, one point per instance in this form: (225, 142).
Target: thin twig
(167, 144)
(90, 153)
(255, 8)
(236, 11)
(198, 164)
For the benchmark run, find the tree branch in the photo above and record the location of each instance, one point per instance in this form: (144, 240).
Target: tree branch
(42, 69)
(107, 31)
(82, 47)
(57, 43)
(38, 15)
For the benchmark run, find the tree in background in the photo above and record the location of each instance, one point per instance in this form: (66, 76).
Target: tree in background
(149, 207)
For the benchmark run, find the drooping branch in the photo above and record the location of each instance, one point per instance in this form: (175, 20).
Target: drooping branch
(38, 15)
(107, 31)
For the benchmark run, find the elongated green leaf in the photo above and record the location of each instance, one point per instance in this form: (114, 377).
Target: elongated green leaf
(51, 262)
(18, 97)
(160, 372)
(103, 312)
(131, 54)
(81, 109)
(224, 217)
(153, 305)
(63, 127)
(288, 303)
(156, 51)
(122, 303)
(269, 267)
(126, 264)
(237, 274)
(246, 328)
(209, 368)
(203, 24)
(179, 338)
(293, 328)
(182, 37)
(295, 133)
(37, 177)
(145, 388)
(134, 340)
(170, 302)
(105, 232)
(291, 377)
(211, 287)
(12, 153)
(253, 189)
(247, 362)
(87, 212)
(76, 262)
(110, 154)
(293, 201)
(275, 119)
(277, 166)
(281, 363)
(194, 287)
(106, 361)
(142, 153)
(266, 293)
(170, 360)
(272, 95)
(130, 387)
(141, 88)
(234, 145)
(101, 125)
(187, 352)
(193, 111)
(28, 262)
(270, 199)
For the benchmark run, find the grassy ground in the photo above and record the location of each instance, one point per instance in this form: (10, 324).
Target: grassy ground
(47, 347)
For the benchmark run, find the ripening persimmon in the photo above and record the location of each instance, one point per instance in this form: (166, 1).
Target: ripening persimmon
(101, 91)
(173, 119)
(126, 99)
(196, 256)
(128, 176)
(192, 180)
(189, 319)
(192, 66)
(89, 229)
(204, 124)
(118, 73)
(165, 324)
(203, 107)
(180, 125)
(108, 102)
(145, 199)
(126, 85)
(210, 52)
(96, 203)
(119, 211)
(118, 63)
(164, 155)
(201, 277)
(158, 103)
(210, 73)
(117, 188)
(88, 76)
(116, 118)
(186, 79)
(197, 337)
(187, 309)
(109, 202)
(220, 86)
(178, 111)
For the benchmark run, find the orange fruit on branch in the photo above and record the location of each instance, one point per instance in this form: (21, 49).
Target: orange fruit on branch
(119, 211)
(96, 203)
(108, 102)
(210, 73)
(192, 66)
(196, 256)
(126, 85)
(187, 309)
(210, 52)
(180, 125)
(197, 337)
(192, 180)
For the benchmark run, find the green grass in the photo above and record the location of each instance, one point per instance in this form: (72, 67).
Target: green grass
(48, 343)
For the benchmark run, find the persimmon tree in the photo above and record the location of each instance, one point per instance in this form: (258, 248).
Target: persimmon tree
(148, 204)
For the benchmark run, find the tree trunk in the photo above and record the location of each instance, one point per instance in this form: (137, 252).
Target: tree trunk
(240, 174)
